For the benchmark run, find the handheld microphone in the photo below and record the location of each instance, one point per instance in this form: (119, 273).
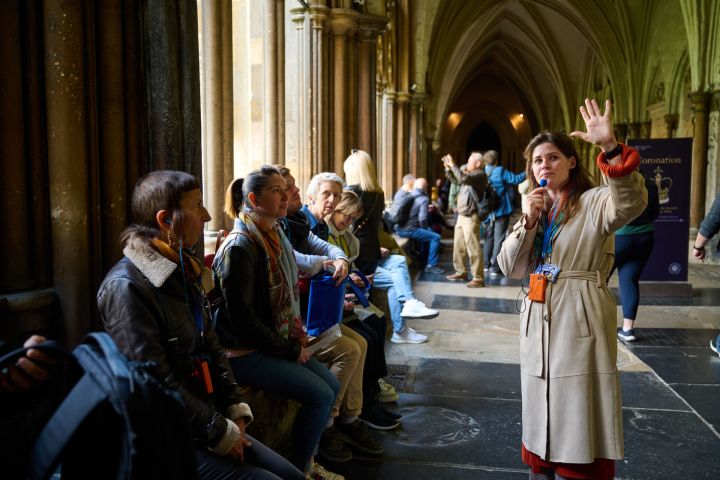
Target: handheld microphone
(543, 182)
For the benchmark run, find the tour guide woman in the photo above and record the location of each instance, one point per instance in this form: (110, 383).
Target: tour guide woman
(571, 405)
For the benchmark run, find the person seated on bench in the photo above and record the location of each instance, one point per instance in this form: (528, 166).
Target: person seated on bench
(390, 271)
(370, 322)
(256, 272)
(417, 226)
(153, 303)
(345, 355)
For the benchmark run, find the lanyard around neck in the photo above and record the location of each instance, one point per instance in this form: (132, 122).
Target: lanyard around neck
(552, 222)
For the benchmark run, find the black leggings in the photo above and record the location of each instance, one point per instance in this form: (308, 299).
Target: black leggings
(372, 329)
(631, 254)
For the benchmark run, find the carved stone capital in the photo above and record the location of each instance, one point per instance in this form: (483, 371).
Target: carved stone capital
(318, 16)
(298, 17)
(343, 21)
(418, 98)
(701, 101)
(370, 26)
(402, 97)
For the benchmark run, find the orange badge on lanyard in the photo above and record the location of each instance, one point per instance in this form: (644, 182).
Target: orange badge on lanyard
(538, 283)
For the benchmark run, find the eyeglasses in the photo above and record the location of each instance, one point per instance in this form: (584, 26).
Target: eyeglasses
(351, 218)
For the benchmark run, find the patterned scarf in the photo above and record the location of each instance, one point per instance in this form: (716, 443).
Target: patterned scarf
(281, 271)
(551, 221)
(196, 273)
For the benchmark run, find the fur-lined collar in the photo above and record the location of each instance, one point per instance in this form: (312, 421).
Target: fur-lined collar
(154, 266)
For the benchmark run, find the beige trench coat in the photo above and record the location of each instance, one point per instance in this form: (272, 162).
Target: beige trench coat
(571, 404)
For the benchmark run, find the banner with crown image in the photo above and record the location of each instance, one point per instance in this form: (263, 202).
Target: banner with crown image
(668, 163)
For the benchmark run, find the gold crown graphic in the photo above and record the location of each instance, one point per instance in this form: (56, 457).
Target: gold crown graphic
(664, 184)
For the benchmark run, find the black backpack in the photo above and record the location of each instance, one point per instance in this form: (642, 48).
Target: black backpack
(486, 204)
(116, 420)
(399, 212)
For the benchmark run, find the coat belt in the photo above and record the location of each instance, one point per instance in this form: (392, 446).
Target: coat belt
(588, 275)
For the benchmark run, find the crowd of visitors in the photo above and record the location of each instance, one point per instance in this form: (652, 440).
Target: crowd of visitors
(155, 302)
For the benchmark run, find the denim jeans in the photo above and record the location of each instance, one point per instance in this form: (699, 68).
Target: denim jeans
(392, 275)
(312, 385)
(428, 236)
(494, 238)
(261, 463)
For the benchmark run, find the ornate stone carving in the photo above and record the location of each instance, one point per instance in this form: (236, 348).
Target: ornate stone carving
(659, 93)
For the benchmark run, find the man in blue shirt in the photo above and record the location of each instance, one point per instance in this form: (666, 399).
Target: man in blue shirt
(498, 221)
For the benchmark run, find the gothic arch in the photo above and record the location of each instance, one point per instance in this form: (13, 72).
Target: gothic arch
(677, 81)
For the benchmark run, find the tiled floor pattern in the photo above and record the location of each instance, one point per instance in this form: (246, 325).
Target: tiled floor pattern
(462, 419)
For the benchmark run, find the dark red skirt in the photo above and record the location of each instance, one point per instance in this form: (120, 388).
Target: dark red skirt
(600, 469)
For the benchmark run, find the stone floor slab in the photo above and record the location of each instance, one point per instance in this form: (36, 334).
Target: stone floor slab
(683, 365)
(646, 390)
(468, 379)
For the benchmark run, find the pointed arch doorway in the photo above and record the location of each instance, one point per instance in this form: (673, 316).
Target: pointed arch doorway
(483, 138)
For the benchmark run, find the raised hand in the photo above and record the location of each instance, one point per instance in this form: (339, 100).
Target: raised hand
(599, 126)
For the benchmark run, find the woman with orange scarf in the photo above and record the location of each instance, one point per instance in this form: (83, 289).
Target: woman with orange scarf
(256, 272)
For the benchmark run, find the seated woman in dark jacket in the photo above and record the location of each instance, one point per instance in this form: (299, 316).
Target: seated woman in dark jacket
(154, 306)
(256, 272)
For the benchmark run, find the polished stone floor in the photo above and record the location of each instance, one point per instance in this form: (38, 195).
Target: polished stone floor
(460, 392)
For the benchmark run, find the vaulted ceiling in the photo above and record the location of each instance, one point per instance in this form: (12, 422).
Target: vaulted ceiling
(489, 61)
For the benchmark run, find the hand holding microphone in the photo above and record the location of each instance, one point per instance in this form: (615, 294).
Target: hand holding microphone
(536, 202)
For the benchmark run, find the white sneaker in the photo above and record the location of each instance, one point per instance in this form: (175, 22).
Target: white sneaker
(414, 308)
(408, 336)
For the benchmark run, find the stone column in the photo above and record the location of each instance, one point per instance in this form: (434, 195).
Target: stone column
(218, 125)
(171, 62)
(342, 24)
(68, 163)
(701, 107)
(400, 161)
(646, 129)
(388, 143)
(365, 84)
(671, 122)
(368, 98)
(417, 160)
(270, 83)
(379, 124)
(633, 130)
(318, 87)
(303, 96)
(280, 80)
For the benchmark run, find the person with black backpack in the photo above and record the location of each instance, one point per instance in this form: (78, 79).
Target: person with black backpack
(154, 304)
(417, 227)
(633, 246)
(472, 209)
(502, 182)
(402, 203)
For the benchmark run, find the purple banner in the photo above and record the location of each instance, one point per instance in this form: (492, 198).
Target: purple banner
(667, 162)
